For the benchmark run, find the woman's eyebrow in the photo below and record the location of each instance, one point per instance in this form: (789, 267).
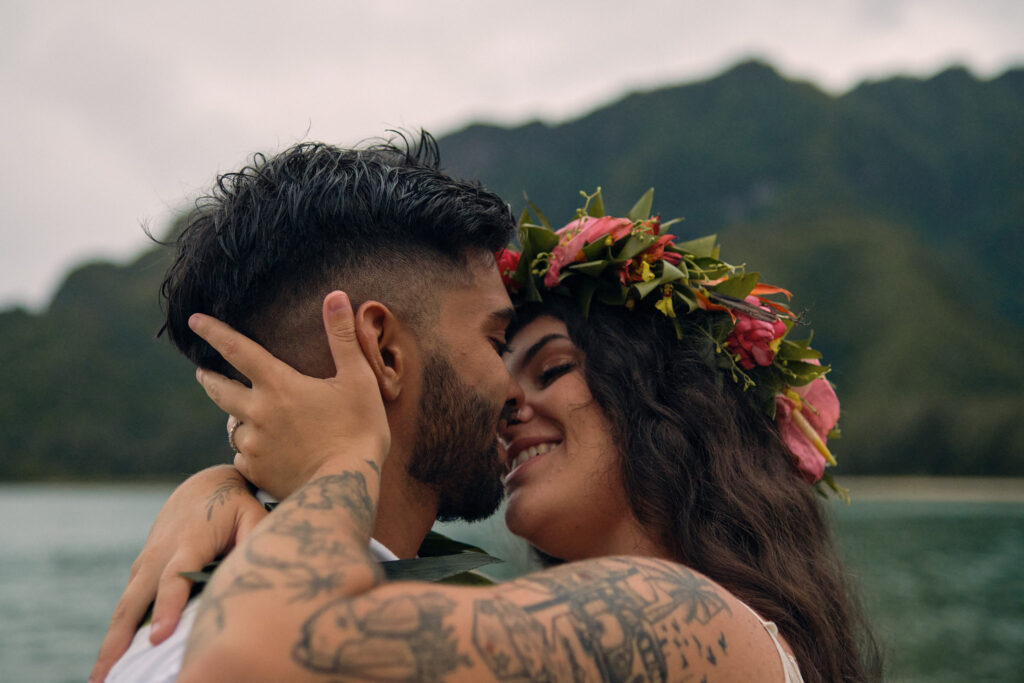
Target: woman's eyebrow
(539, 344)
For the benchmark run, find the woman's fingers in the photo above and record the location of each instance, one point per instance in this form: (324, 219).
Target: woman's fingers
(245, 355)
(230, 396)
(172, 594)
(123, 624)
(344, 340)
(339, 322)
(353, 367)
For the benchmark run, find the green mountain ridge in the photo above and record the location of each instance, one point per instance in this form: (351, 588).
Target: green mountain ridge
(893, 211)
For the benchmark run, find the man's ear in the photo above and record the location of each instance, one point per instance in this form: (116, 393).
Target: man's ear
(384, 341)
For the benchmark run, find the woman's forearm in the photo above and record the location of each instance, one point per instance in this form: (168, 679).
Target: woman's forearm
(311, 550)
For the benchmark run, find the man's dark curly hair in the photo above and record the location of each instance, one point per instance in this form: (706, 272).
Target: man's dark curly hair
(264, 247)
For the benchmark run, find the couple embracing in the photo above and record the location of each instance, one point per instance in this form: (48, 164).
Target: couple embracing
(388, 361)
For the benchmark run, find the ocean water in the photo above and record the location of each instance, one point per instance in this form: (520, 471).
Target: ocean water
(65, 552)
(942, 580)
(944, 585)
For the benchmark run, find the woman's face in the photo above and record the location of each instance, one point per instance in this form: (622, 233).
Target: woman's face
(563, 483)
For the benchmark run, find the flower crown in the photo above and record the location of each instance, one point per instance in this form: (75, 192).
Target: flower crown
(631, 262)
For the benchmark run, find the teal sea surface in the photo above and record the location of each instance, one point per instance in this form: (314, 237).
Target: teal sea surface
(942, 574)
(944, 585)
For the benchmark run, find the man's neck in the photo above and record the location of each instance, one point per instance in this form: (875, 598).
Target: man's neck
(405, 511)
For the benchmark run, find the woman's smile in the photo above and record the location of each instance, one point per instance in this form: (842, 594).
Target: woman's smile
(525, 453)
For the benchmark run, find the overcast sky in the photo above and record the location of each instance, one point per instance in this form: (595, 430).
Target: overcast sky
(114, 112)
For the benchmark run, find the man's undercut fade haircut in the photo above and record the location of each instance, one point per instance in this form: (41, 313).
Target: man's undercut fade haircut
(269, 242)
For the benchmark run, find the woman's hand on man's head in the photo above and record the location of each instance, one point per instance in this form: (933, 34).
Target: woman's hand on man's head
(293, 427)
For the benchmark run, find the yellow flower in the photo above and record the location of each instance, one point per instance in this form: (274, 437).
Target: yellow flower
(664, 304)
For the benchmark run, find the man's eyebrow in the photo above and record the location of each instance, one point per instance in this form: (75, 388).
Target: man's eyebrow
(504, 317)
(538, 345)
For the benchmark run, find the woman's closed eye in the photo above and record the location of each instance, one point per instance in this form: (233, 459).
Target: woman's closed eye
(551, 374)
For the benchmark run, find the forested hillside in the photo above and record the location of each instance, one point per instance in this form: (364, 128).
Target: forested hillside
(893, 211)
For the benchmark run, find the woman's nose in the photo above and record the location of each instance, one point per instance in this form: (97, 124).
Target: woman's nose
(519, 413)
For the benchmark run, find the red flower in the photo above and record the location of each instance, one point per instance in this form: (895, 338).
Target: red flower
(804, 421)
(752, 339)
(508, 262)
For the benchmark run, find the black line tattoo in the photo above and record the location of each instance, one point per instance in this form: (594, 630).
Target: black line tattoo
(314, 564)
(609, 621)
(398, 639)
(212, 605)
(211, 614)
(294, 553)
(346, 490)
(221, 495)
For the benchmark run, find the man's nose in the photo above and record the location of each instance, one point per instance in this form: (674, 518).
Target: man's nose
(515, 394)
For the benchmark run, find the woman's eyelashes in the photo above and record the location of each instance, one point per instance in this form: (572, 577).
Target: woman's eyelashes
(551, 374)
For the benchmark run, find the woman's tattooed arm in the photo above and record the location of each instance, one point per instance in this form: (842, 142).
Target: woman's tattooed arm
(302, 600)
(311, 549)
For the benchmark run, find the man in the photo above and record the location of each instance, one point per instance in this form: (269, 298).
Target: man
(413, 248)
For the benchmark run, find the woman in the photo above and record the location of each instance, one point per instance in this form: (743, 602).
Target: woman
(727, 505)
(698, 469)
(643, 431)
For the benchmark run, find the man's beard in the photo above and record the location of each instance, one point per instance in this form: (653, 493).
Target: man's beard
(456, 448)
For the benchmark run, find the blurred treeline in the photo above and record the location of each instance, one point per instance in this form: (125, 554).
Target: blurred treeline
(895, 213)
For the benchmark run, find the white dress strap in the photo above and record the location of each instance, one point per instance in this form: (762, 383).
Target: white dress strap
(789, 664)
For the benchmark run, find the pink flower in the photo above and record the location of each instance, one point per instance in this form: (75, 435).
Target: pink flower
(576, 235)
(804, 424)
(508, 261)
(752, 339)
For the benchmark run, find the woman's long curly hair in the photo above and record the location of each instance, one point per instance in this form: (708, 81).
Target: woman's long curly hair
(705, 469)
